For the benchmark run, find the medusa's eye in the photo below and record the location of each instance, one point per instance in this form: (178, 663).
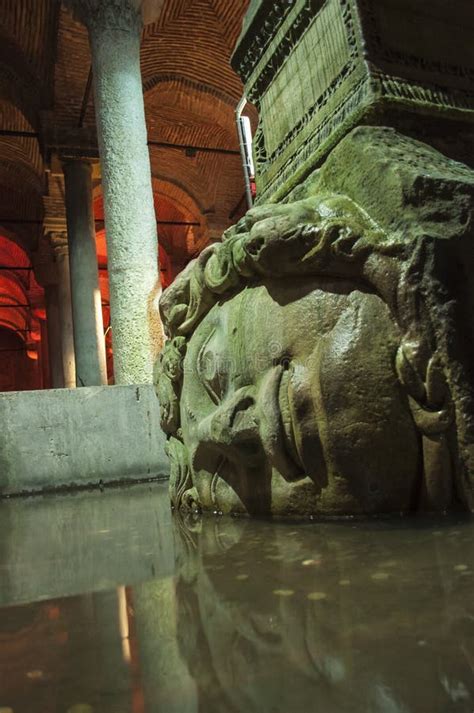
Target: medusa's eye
(213, 368)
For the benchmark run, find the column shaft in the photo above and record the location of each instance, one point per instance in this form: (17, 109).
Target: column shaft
(89, 343)
(54, 337)
(128, 198)
(65, 318)
(44, 356)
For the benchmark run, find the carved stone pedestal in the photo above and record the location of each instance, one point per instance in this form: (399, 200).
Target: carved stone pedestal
(316, 69)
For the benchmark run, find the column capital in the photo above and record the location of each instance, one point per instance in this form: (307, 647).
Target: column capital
(72, 165)
(76, 158)
(59, 242)
(102, 15)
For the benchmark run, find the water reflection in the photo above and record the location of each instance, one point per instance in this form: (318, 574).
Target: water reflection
(64, 656)
(252, 616)
(330, 618)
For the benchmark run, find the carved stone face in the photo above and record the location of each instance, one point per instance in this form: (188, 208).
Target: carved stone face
(326, 345)
(290, 403)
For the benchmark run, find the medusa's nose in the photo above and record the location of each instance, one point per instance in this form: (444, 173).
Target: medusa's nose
(232, 430)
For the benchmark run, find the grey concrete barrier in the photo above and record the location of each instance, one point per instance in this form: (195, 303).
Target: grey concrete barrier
(72, 438)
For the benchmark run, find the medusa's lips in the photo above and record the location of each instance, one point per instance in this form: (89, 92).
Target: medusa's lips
(276, 431)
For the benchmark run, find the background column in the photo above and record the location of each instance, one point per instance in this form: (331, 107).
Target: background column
(59, 243)
(44, 356)
(54, 337)
(89, 343)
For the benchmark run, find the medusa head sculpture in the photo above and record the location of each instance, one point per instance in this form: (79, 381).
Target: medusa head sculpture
(312, 368)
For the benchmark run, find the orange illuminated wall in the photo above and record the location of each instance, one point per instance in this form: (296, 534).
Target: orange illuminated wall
(21, 308)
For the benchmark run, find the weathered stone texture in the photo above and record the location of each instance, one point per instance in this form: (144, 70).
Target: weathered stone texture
(89, 344)
(316, 69)
(70, 438)
(320, 359)
(128, 199)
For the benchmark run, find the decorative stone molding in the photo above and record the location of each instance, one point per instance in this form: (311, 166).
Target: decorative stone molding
(53, 200)
(71, 143)
(59, 243)
(268, 18)
(316, 69)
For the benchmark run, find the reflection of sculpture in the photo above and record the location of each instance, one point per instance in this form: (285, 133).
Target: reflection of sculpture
(317, 360)
(378, 619)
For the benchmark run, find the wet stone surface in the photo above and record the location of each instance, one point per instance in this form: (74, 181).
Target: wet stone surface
(109, 604)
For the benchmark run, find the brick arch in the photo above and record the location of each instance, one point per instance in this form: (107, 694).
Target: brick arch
(12, 254)
(15, 237)
(21, 176)
(177, 193)
(27, 38)
(18, 286)
(24, 150)
(196, 176)
(12, 293)
(182, 83)
(184, 111)
(169, 45)
(195, 238)
(213, 180)
(20, 198)
(18, 85)
(192, 113)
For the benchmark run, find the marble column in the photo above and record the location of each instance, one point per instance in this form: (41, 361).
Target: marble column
(114, 35)
(164, 670)
(60, 246)
(89, 342)
(54, 337)
(44, 356)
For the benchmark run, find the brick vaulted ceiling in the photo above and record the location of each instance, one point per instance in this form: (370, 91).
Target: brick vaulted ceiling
(190, 97)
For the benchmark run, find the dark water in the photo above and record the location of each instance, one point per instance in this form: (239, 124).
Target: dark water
(110, 606)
